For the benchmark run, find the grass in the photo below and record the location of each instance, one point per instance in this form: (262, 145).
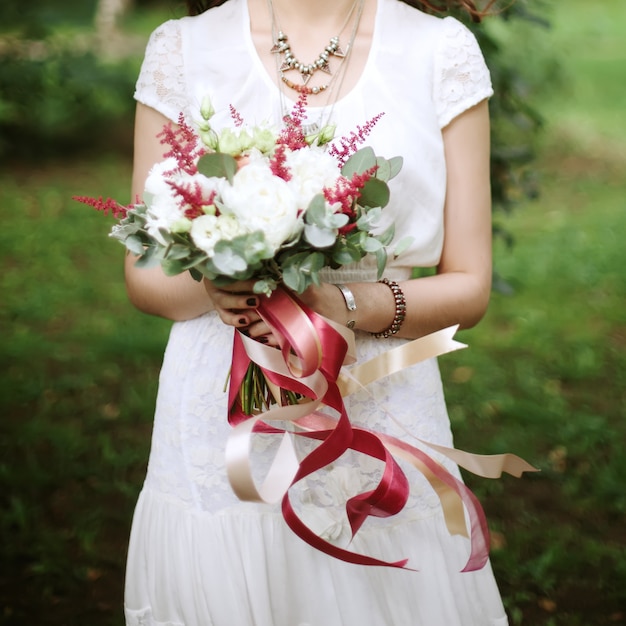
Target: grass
(544, 376)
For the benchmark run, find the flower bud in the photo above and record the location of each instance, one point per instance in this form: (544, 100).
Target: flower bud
(264, 140)
(206, 109)
(246, 141)
(327, 134)
(183, 225)
(228, 143)
(210, 139)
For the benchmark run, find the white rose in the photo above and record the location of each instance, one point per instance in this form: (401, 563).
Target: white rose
(207, 230)
(311, 169)
(263, 202)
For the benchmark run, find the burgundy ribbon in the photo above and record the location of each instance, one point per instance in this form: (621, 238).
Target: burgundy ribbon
(313, 352)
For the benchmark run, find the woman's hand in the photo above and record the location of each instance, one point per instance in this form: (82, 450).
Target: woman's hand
(236, 306)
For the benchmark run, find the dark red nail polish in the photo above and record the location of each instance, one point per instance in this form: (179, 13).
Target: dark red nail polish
(251, 301)
(263, 339)
(243, 321)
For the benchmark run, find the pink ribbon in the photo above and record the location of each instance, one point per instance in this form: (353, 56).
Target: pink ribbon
(312, 353)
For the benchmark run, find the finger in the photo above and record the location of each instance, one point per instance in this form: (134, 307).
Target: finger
(234, 301)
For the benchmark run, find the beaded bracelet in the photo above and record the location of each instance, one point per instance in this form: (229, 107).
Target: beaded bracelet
(400, 313)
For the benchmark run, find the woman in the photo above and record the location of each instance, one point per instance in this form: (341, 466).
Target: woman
(197, 555)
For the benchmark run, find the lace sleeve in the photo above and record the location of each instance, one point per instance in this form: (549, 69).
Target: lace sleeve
(461, 78)
(161, 82)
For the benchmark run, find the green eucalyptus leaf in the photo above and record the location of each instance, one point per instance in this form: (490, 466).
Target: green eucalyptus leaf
(381, 262)
(375, 193)
(387, 237)
(149, 257)
(361, 161)
(227, 260)
(265, 286)
(195, 274)
(293, 278)
(135, 245)
(368, 219)
(384, 169)
(173, 267)
(372, 245)
(218, 164)
(194, 260)
(177, 251)
(402, 245)
(313, 263)
(316, 211)
(346, 254)
(395, 165)
(319, 237)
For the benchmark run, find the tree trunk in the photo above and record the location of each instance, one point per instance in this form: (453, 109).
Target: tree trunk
(108, 14)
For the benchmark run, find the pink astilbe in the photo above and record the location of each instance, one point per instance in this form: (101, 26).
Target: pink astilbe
(346, 192)
(192, 198)
(278, 163)
(236, 116)
(105, 206)
(292, 135)
(184, 145)
(349, 145)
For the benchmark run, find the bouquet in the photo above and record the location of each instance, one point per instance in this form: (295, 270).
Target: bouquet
(255, 203)
(277, 207)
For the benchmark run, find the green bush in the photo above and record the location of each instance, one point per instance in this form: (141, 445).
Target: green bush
(63, 102)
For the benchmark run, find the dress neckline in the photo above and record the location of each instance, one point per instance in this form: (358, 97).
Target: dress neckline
(285, 98)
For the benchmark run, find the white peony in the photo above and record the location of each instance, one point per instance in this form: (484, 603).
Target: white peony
(156, 184)
(263, 202)
(311, 170)
(164, 213)
(207, 230)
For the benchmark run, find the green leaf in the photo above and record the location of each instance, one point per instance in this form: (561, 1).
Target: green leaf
(134, 244)
(316, 211)
(375, 193)
(177, 251)
(402, 245)
(384, 169)
(195, 274)
(361, 161)
(387, 237)
(218, 164)
(381, 261)
(372, 245)
(313, 263)
(346, 254)
(319, 237)
(149, 257)
(173, 267)
(227, 261)
(395, 164)
(265, 285)
(294, 279)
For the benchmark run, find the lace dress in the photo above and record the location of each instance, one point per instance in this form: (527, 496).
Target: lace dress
(197, 555)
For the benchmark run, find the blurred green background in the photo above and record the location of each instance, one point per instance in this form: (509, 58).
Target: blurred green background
(544, 376)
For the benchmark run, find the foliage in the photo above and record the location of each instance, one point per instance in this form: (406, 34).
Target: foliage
(49, 105)
(518, 70)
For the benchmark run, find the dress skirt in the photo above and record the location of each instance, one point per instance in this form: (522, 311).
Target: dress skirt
(200, 557)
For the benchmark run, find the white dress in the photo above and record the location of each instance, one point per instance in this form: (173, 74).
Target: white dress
(197, 555)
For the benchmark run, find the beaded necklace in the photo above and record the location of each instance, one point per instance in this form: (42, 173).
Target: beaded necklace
(281, 46)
